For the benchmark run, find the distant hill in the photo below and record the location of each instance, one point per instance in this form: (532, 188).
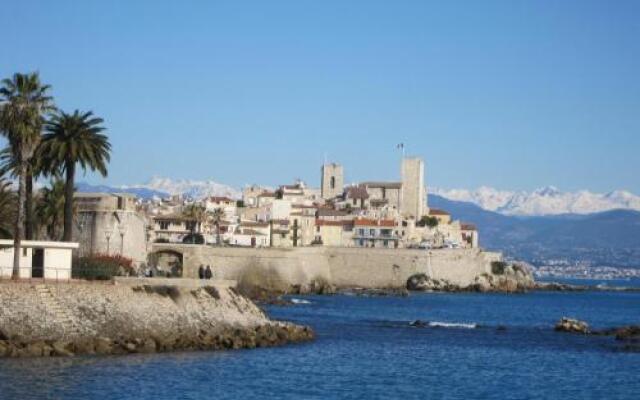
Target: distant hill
(164, 187)
(142, 193)
(605, 238)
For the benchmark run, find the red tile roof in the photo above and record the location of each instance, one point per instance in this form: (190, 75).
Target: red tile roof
(437, 211)
(373, 222)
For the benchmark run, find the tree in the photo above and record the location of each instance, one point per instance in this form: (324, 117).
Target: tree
(50, 207)
(71, 140)
(196, 214)
(24, 101)
(429, 221)
(9, 164)
(216, 216)
(7, 209)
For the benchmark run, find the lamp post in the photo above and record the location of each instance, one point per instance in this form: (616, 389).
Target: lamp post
(107, 235)
(122, 230)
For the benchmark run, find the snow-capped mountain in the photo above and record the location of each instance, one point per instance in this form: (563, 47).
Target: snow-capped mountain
(544, 201)
(190, 188)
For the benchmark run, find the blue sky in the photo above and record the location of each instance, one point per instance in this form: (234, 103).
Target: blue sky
(511, 94)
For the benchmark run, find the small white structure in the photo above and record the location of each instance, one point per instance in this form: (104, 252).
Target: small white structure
(38, 259)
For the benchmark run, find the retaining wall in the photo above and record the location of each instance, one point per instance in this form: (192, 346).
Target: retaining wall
(342, 267)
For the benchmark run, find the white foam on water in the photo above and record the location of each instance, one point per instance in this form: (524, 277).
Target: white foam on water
(300, 301)
(438, 324)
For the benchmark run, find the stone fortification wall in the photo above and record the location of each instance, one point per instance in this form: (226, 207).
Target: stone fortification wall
(341, 267)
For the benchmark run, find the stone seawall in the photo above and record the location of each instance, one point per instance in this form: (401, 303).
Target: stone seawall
(71, 318)
(340, 267)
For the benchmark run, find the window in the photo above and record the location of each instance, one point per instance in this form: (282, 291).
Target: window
(385, 243)
(283, 235)
(372, 232)
(164, 225)
(333, 182)
(361, 243)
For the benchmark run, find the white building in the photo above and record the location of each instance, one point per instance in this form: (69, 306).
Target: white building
(38, 259)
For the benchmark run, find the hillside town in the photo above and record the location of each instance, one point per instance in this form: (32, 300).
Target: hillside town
(370, 214)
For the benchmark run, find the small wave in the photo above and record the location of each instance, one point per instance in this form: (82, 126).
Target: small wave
(300, 301)
(438, 324)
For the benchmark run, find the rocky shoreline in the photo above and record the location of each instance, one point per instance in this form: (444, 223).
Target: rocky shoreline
(269, 335)
(86, 319)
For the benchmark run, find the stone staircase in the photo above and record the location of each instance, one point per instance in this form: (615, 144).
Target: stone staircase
(59, 313)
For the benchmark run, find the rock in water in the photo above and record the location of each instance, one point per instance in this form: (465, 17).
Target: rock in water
(572, 325)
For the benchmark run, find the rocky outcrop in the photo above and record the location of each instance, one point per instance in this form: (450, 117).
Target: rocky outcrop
(572, 326)
(316, 286)
(627, 337)
(424, 283)
(231, 338)
(96, 318)
(505, 278)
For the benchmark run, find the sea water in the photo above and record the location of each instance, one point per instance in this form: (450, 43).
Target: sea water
(471, 346)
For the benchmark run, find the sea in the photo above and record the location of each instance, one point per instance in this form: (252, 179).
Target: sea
(470, 346)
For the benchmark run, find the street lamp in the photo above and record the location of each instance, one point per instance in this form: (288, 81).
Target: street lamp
(107, 235)
(122, 230)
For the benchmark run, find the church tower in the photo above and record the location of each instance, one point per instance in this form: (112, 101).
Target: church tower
(332, 180)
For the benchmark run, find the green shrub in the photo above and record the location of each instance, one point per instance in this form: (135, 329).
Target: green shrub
(498, 267)
(426, 220)
(193, 238)
(101, 267)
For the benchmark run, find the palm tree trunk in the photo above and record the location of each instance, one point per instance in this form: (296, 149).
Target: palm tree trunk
(19, 227)
(28, 206)
(68, 201)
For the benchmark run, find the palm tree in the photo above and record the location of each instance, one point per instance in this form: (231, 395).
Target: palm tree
(7, 208)
(73, 139)
(216, 217)
(37, 166)
(23, 102)
(50, 207)
(196, 214)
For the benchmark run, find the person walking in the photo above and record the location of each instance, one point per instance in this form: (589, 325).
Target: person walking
(207, 273)
(201, 272)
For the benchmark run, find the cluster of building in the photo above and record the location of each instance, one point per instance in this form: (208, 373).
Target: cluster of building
(365, 214)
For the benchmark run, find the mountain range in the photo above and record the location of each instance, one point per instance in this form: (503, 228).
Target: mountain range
(164, 187)
(605, 238)
(544, 201)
